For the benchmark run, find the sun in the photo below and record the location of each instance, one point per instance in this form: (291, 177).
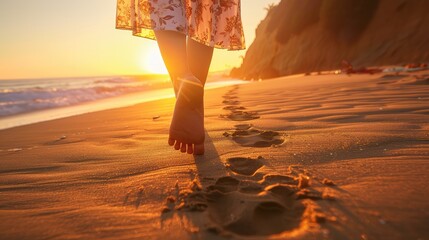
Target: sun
(151, 61)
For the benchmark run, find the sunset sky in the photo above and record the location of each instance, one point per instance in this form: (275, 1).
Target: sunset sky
(58, 38)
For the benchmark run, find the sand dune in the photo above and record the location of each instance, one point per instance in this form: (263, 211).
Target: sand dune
(307, 157)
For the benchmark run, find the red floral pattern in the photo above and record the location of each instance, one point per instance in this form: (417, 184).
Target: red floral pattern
(215, 23)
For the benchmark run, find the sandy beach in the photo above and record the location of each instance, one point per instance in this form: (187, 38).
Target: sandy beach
(301, 157)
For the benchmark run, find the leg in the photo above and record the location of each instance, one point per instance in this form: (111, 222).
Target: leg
(172, 46)
(187, 125)
(199, 59)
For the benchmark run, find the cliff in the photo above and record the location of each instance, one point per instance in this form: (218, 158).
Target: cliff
(299, 36)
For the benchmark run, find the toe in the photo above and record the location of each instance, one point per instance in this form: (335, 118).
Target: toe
(177, 145)
(171, 141)
(183, 148)
(199, 149)
(190, 149)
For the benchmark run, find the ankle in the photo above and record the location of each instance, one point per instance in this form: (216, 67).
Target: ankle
(188, 77)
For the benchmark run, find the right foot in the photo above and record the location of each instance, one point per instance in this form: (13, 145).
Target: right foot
(187, 125)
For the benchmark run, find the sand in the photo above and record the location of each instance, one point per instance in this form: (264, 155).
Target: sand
(303, 157)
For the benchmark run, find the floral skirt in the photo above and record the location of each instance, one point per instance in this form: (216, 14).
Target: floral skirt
(215, 23)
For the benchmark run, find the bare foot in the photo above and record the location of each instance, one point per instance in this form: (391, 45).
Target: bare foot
(187, 126)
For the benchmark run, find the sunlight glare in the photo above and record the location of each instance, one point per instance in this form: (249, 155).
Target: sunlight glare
(151, 62)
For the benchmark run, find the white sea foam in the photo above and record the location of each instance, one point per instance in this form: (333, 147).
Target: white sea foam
(22, 96)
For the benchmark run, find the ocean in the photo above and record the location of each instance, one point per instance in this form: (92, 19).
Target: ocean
(27, 101)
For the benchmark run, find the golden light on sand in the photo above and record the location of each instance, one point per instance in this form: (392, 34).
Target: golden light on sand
(151, 62)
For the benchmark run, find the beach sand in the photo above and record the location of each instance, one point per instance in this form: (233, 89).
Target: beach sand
(302, 157)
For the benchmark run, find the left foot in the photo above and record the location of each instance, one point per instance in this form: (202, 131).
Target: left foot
(187, 126)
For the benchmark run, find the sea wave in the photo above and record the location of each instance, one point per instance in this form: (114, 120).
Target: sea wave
(22, 96)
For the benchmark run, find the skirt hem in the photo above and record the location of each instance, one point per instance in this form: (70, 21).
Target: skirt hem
(138, 34)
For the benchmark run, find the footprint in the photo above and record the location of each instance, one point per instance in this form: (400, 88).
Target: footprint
(234, 108)
(244, 166)
(241, 206)
(241, 115)
(248, 136)
(266, 218)
(244, 126)
(246, 132)
(309, 194)
(269, 207)
(225, 185)
(284, 192)
(253, 210)
(272, 217)
(281, 190)
(231, 102)
(251, 189)
(194, 202)
(276, 178)
(229, 96)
